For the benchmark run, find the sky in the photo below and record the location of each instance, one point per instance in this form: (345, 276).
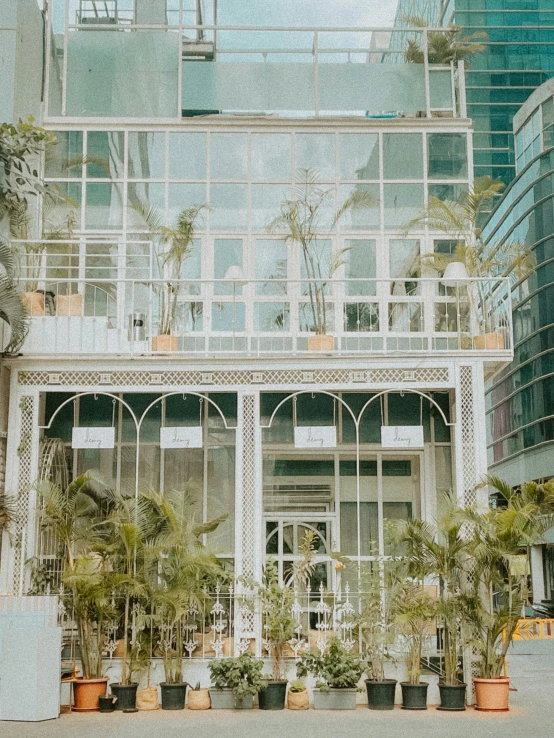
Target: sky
(307, 12)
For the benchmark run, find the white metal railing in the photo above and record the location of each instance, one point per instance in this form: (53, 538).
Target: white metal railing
(225, 622)
(101, 315)
(198, 35)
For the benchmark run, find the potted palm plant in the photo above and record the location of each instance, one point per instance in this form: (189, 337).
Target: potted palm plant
(383, 588)
(496, 601)
(185, 570)
(337, 671)
(443, 47)
(70, 515)
(482, 263)
(280, 625)
(302, 223)
(414, 617)
(441, 550)
(236, 681)
(127, 530)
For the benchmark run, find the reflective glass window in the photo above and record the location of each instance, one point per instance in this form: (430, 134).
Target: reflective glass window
(403, 155)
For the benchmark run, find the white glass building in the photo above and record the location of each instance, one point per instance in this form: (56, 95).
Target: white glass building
(157, 107)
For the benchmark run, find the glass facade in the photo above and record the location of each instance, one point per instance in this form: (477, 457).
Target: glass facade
(520, 403)
(518, 58)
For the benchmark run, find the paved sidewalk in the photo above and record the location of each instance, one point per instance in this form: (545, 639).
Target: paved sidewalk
(531, 716)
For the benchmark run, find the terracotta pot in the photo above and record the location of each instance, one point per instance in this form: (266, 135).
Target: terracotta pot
(34, 302)
(494, 341)
(69, 305)
(321, 343)
(492, 694)
(167, 344)
(298, 700)
(86, 693)
(198, 699)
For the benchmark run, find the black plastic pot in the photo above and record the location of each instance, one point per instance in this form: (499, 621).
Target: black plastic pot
(453, 697)
(414, 696)
(273, 696)
(173, 696)
(380, 694)
(106, 703)
(126, 696)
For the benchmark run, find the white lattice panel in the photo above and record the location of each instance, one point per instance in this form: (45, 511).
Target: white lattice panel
(272, 377)
(468, 434)
(24, 453)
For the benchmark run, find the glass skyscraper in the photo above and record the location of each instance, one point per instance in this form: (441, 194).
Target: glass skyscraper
(518, 58)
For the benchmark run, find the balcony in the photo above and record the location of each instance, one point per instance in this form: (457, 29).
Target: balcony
(280, 318)
(122, 62)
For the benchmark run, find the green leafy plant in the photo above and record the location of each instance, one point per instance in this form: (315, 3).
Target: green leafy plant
(383, 586)
(443, 47)
(441, 550)
(185, 571)
(297, 685)
(302, 222)
(461, 222)
(336, 668)
(415, 613)
(242, 674)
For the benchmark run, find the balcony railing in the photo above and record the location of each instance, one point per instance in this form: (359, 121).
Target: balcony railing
(263, 317)
(168, 61)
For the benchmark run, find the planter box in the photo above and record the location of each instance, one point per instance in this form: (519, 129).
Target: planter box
(224, 699)
(335, 699)
(321, 343)
(494, 341)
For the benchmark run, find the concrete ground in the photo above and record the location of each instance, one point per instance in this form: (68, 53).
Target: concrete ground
(531, 716)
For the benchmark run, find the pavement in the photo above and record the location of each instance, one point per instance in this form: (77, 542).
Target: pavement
(531, 715)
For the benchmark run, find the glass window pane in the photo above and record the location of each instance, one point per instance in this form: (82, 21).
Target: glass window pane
(452, 192)
(360, 261)
(359, 156)
(105, 154)
(227, 253)
(271, 266)
(141, 195)
(187, 155)
(361, 218)
(221, 497)
(229, 207)
(228, 316)
(271, 156)
(266, 202)
(403, 203)
(403, 155)
(229, 156)
(316, 151)
(146, 155)
(447, 155)
(103, 206)
(271, 316)
(182, 196)
(65, 158)
(404, 261)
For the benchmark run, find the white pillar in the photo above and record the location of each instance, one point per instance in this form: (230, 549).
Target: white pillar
(470, 434)
(537, 574)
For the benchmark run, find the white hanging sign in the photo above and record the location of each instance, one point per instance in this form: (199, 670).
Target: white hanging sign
(93, 438)
(402, 436)
(181, 437)
(315, 436)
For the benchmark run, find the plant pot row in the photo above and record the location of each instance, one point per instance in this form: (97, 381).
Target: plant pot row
(491, 695)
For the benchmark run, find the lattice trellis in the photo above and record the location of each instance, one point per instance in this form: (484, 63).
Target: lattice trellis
(468, 434)
(24, 453)
(283, 377)
(249, 421)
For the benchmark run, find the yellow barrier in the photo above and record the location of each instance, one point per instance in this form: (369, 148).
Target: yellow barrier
(534, 629)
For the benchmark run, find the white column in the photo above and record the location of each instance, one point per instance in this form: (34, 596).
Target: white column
(21, 472)
(537, 574)
(248, 503)
(470, 434)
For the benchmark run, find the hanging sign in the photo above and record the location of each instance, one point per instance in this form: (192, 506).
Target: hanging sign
(402, 436)
(181, 437)
(93, 438)
(315, 436)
